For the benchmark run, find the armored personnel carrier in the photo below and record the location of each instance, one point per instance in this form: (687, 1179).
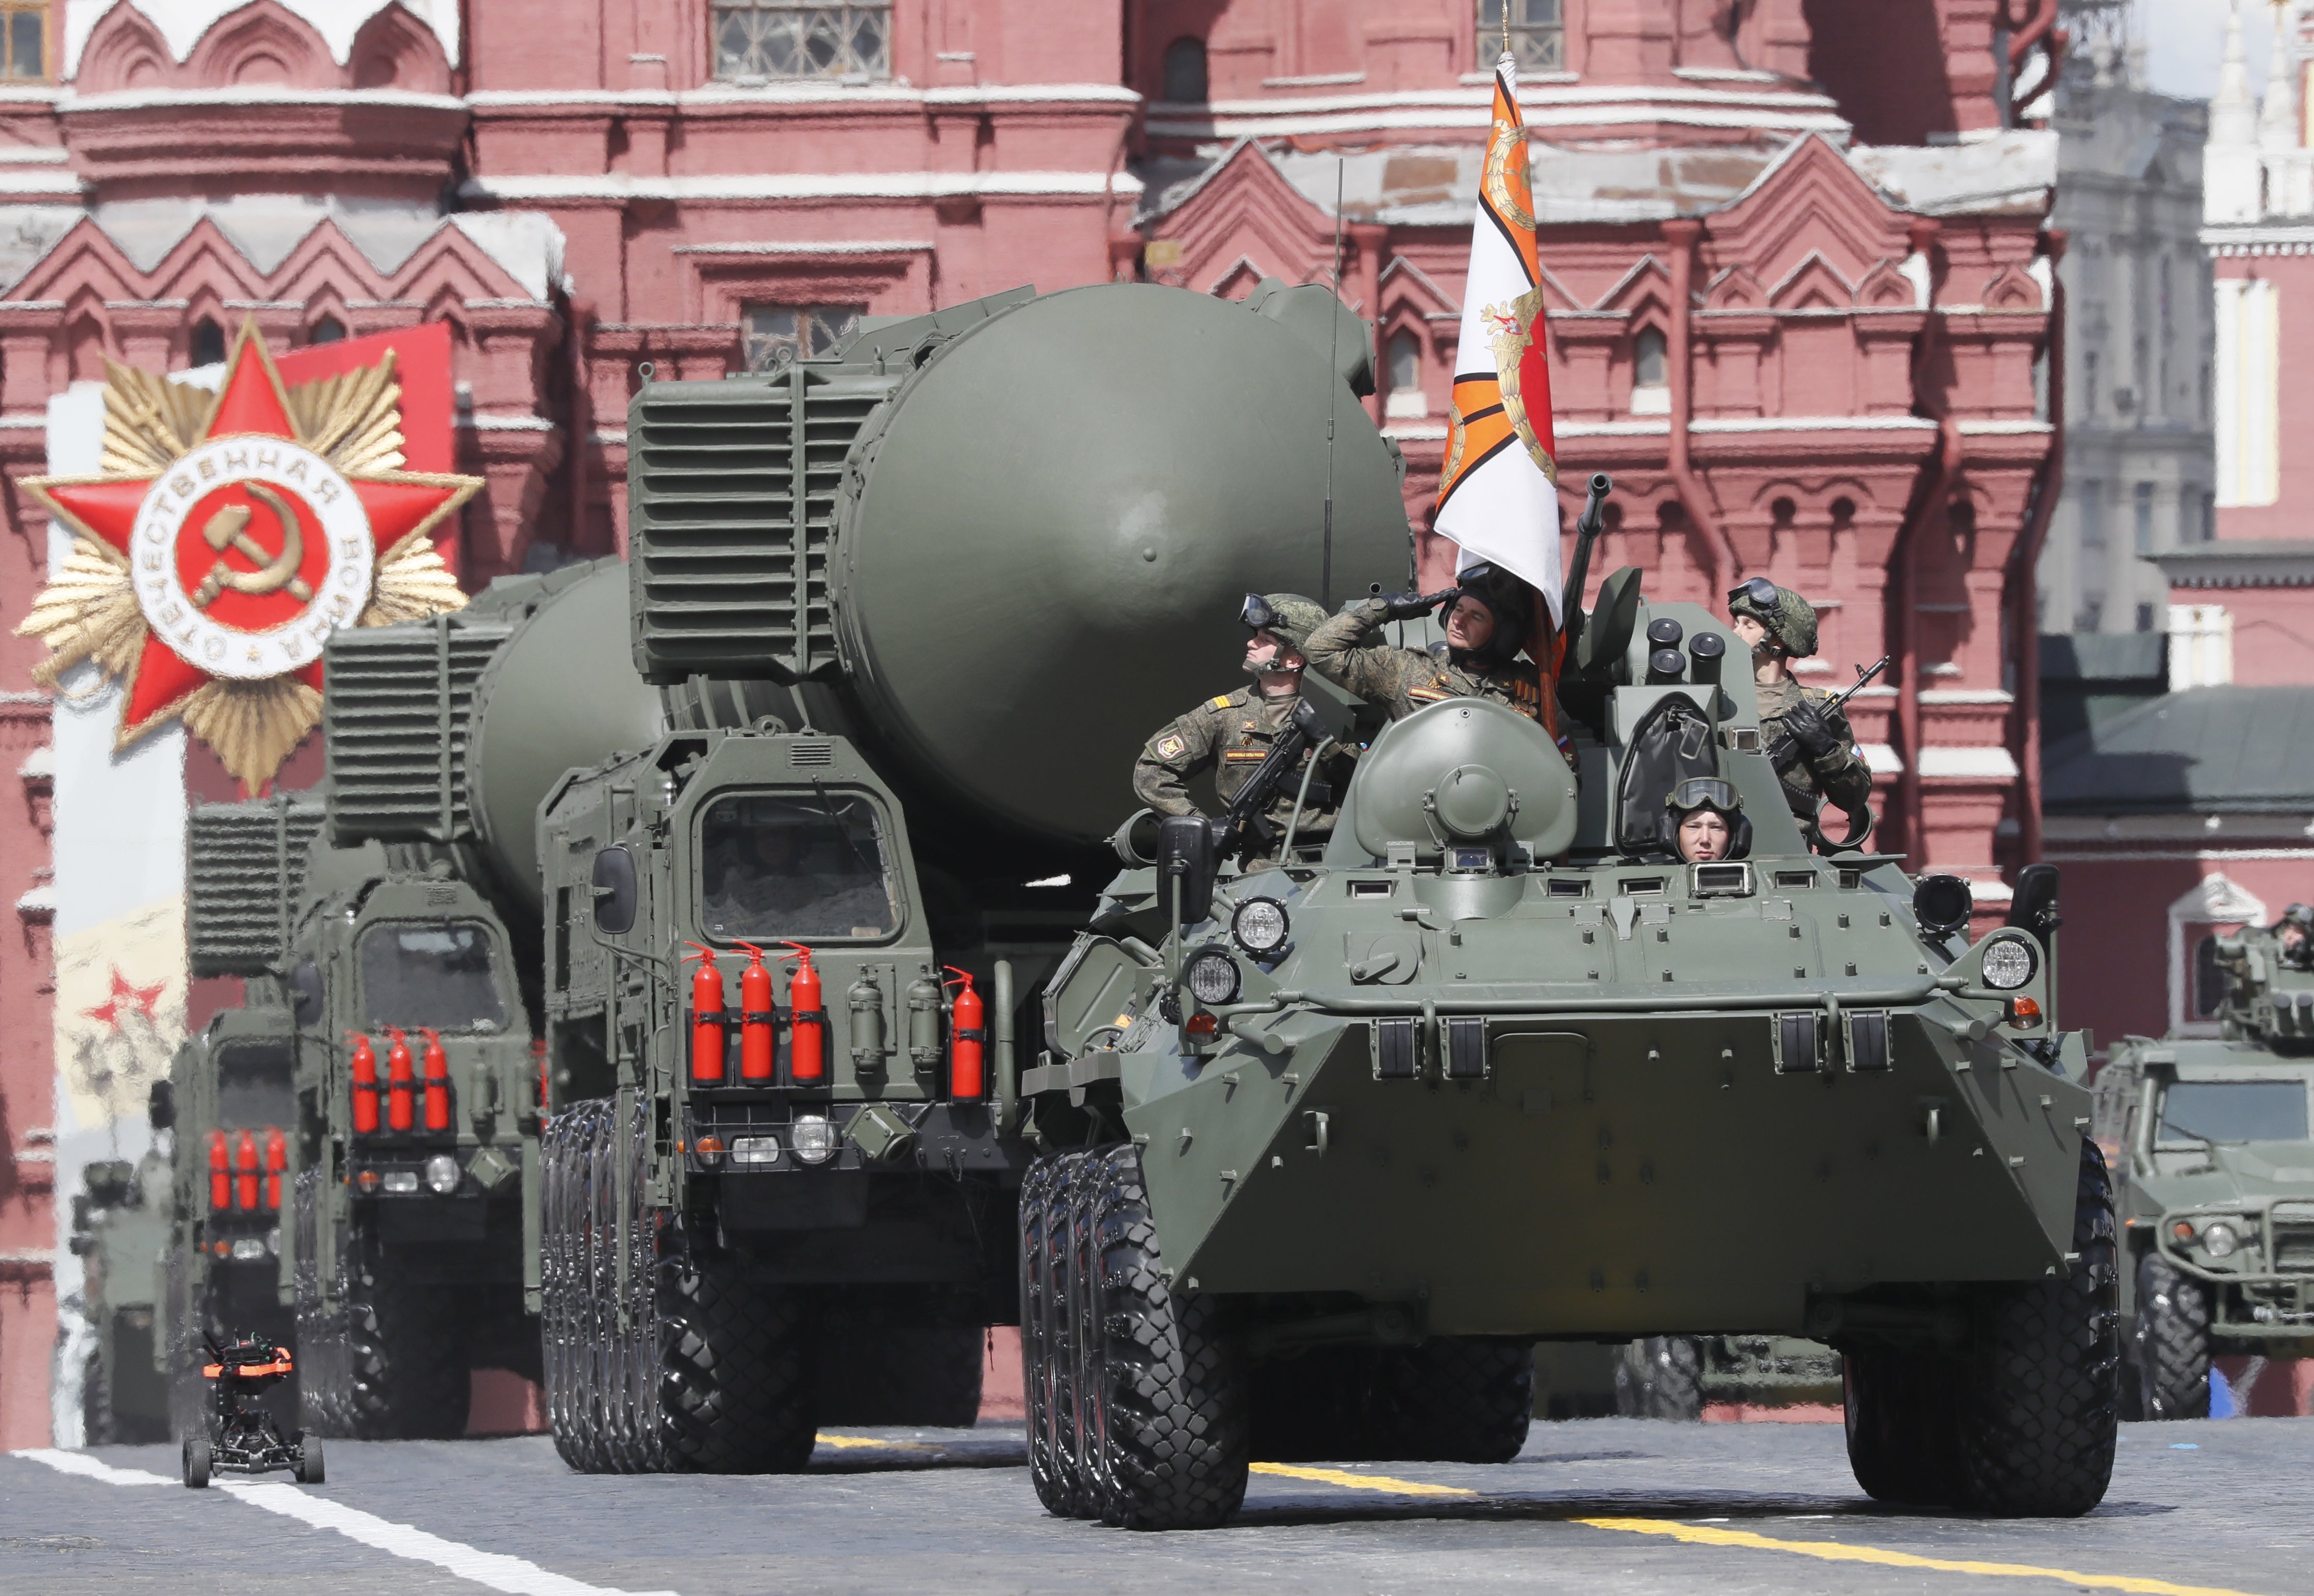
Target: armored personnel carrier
(2213, 1156)
(1495, 1065)
(119, 1233)
(797, 859)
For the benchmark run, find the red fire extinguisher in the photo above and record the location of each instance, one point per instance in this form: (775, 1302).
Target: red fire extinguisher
(220, 1175)
(967, 1040)
(706, 1017)
(437, 1081)
(365, 1070)
(277, 1162)
(759, 1019)
(398, 1081)
(245, 1172)
(808, 1020)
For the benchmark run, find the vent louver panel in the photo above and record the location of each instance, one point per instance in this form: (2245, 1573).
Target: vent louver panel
(732, 489)
(245, 868)
(397, 705)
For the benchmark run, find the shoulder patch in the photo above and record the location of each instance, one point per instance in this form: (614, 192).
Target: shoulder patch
(1171, 746)
(1221, 700)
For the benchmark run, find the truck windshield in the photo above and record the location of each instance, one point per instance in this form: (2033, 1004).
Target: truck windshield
(793, 866)
(253, 1085)
(2232, 1111)
(436, 974)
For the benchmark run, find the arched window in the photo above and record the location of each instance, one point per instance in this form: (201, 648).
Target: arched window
(208, 344)
(1402, 365)
(1185, 72)
(329, 329)
(1650, 384)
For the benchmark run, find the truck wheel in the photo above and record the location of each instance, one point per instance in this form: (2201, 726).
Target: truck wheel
(731, 1395)
(1661, 1378)
(1058, 1338)
(903, 1373)
(96, 1426)
(1036, 1366)
(2040, 1376)
(561, 1327)
(1457, 1400)
(1098, 1497)
(197, 1462)
(1901, 1441)
(405, 1357)
(2169, 1344)
(1172, 1375)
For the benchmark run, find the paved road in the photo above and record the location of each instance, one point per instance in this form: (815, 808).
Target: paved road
(1600, 1505)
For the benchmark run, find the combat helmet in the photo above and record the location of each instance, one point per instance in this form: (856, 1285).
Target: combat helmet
(1290, 616)
(1790, 620)
(1499, 590)
(1706, 792)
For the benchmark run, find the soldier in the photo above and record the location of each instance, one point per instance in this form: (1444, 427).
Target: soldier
(1479, 659)
(2295, 932)
(1231, 733)
(1806, 734)
(1705, 820)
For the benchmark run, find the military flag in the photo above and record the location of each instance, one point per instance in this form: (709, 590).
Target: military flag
(1497, 497)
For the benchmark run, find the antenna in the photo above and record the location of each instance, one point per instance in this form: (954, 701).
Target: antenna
(1333, 382)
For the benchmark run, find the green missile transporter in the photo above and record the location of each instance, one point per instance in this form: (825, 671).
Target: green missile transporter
(2210, 1140)
(120, 1233)
(1328, 1147)
(900, 618)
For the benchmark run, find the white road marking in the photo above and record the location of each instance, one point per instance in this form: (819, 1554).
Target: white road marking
(494, 1570)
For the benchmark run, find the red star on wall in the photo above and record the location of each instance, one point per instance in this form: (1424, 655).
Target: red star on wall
(253, 404)
(126, 996)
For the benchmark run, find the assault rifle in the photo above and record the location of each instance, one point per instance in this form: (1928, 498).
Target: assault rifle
(1784, 755)
(1247, 827)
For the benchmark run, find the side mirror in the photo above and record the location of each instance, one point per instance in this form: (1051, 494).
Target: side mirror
(2035, 907)
(1942, 905)
(161, 1105)
(305, 994)
(1185, 866)
(616, 892)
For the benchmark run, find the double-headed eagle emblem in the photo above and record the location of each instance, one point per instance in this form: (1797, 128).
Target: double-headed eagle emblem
(227, 535)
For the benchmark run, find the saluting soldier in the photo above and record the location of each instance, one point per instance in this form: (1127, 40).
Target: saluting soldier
(1231, 733)
(1479, 659)
(1806, 736)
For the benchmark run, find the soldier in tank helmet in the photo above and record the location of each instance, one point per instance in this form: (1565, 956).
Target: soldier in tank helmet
(1704, 820)
(1479, 659)
(2294, 931)
(1806, 734)
(1231, 733)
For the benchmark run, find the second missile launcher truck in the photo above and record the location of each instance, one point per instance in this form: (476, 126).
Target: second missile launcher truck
(1504, 1067)
(900, 621)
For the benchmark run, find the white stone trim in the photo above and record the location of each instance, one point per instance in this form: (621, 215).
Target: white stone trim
(182, 23)
(2213, 900)
(1273, 122)
(723, 95)
(1812, 424)
(1883, 758)
(1958, 695)
(1986, 761)
(75, 104)
(549, 188)
(858, 246)
(2171, 827)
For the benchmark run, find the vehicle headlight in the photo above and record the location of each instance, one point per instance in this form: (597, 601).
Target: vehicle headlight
(813, 1138)
(1260, 925)
(2219, 1240)
(442, 1175)
(1212, 978)
(2010, 962)
(247, 1250)
(401, 1181)
(757, 1149)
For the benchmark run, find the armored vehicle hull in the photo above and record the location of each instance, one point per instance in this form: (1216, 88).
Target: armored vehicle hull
(1492, 1072)
(120, 1234)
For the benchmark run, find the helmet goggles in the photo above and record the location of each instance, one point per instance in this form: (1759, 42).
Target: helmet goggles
(1705, 792)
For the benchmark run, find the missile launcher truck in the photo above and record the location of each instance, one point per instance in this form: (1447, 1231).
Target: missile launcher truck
(386, 1003)
(119, 1233)
(1327, 1146)
(2209, 1137)
(900, 619)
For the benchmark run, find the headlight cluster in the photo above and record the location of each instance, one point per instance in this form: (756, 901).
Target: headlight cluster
(442, 1175)
(2009, 962)
(813, 1138)
(1260, 925)
(2218, 1237)
(1212, 978)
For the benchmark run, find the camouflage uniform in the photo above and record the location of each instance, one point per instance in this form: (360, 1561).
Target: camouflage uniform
(1345, 651)
(1790, 713)
(1231, 734)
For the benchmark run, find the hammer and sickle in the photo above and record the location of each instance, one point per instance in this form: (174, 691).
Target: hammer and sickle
(228, 529)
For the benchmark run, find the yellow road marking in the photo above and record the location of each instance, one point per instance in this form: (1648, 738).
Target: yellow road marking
(1833, 1551)
(845, 1441)
(1363, 1482)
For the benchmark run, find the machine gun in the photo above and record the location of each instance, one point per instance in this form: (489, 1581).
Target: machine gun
(1587, 527)
(1247, 827)
(1784, 755)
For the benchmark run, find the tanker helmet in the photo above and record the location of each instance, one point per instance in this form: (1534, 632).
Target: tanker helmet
(1292, 617)
(1496, 590)
(1708, 792)
(1789, 619)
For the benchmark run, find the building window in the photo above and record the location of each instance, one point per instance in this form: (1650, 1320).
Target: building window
(26, 43)
(2140, 511)
(2091, 615)
(2088, 383)
(329, 329)
(2145, 617)
(1650, 388)
(206, 347)
(790, 39)
(1403, 361)
(2092, 514)
(805, 332)
(2209, 979)
(1185, 72)
(1538, 34)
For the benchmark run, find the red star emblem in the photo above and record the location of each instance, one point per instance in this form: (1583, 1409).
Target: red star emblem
(125, 997)
(245, 555)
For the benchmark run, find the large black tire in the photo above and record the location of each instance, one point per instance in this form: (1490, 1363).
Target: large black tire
(877, 1371)
(2039, 1378)
(1903, 1439)
(95, 1402)
(1661, 1377)
(732, 1391)
(1045, 1471)
(406, 1356)
(1067, 1489)
(1317, 1404)
(1172, 1375)
(2170, 1344)
(1456, 1399)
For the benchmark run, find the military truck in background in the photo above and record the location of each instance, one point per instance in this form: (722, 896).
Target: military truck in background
(1500, 1067)
(228, 1108)
(120, 1233)
(899, 619)
(384, 982)
(2210, 1140)
(1677, 1377)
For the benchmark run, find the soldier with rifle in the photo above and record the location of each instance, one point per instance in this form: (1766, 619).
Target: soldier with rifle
(1233, 735)
(1805, 730)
